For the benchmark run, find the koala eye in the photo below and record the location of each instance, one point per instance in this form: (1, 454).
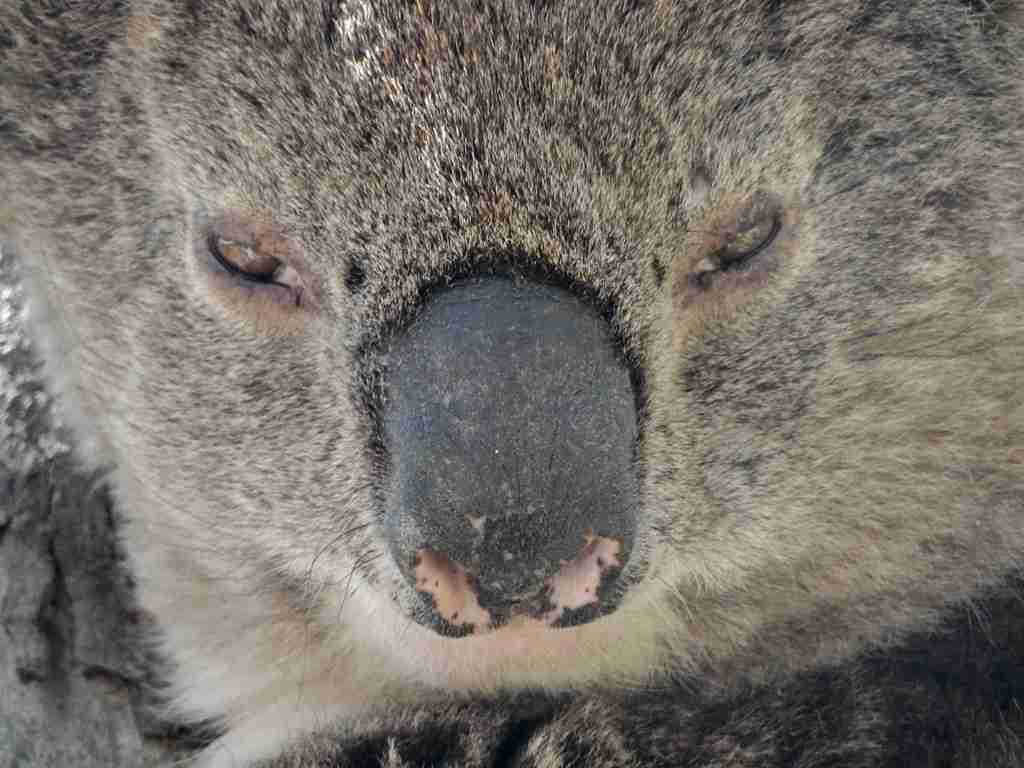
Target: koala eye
(750, 232)
(244, 259)
(251, 263)
(748, 241)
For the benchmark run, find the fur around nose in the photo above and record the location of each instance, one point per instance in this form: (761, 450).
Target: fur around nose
(510, 424)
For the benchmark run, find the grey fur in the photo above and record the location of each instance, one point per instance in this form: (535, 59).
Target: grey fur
(833, 442)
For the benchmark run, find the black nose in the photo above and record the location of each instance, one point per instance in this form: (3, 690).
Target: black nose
(510, 422)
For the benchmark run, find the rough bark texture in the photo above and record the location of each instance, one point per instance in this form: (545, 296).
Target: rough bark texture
(76, 686)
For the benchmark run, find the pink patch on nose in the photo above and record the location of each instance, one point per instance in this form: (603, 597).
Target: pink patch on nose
(574, 586)
(449, 585)
(576, 583)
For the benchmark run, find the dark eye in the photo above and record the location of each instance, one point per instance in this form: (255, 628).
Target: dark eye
(244, 259)
(748, 233)
(752, 237)
(250, 262)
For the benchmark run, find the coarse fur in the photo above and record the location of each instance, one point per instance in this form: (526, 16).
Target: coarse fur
(832, 444)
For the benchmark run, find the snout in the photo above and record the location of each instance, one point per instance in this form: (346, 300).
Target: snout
(510, 424)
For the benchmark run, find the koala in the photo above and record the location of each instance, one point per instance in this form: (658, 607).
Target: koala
(554, 383)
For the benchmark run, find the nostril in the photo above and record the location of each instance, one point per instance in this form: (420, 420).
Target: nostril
(464, 599)
(510, 424)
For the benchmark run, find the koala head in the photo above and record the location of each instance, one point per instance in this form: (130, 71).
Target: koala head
(444, 348)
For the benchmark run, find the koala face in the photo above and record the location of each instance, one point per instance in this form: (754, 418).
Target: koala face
(443, 349)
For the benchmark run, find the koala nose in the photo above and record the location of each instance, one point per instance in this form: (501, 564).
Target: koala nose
(510, 423)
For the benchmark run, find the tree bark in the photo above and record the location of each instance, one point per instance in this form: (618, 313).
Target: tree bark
(77, 684)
